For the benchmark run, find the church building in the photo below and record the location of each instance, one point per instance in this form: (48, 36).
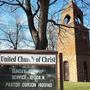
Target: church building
(73, 42)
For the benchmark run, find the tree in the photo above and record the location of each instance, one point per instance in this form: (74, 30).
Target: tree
(38, 35)
(52, 37)
(12, 36)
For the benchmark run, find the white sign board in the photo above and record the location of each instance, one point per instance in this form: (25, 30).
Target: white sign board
(12, 59)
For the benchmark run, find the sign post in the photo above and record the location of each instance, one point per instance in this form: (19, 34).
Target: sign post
(61, 71)
(28, 70)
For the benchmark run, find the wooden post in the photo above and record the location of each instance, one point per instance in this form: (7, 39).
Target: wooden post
(61, 71)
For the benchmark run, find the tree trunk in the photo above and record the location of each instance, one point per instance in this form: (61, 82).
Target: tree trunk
(30, 20)
(39, 36)
(33, 30)
(42, 43)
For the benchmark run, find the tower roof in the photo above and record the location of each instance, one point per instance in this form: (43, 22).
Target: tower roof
(73, 5)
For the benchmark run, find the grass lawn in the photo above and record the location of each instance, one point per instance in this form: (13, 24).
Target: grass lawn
(76, 85)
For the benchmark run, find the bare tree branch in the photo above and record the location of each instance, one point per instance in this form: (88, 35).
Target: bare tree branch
(11, 40)
(4, 31)
(12, 10)
(9, 3)
(5, 40)
(52, 21)
(53, 2)
(37, 8)
(59, 25)
(21, 4)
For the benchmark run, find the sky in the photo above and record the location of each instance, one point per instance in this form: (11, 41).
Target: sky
(8, 19)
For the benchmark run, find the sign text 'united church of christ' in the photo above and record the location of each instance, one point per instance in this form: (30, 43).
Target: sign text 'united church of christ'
(27, 59)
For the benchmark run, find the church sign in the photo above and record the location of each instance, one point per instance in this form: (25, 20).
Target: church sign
(28, 70)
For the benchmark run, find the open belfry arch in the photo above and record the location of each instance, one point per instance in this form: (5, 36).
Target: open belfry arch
(73, 42)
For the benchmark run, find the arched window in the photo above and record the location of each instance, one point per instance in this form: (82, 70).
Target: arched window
(78, 20)
(85, 71)
(66, 71)
(67, 19)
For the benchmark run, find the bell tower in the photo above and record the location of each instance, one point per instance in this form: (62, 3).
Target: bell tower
(73, 41)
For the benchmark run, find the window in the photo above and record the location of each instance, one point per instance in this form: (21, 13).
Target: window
(78, 20)
(66, 71)
(85, 71)
(67, 19)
